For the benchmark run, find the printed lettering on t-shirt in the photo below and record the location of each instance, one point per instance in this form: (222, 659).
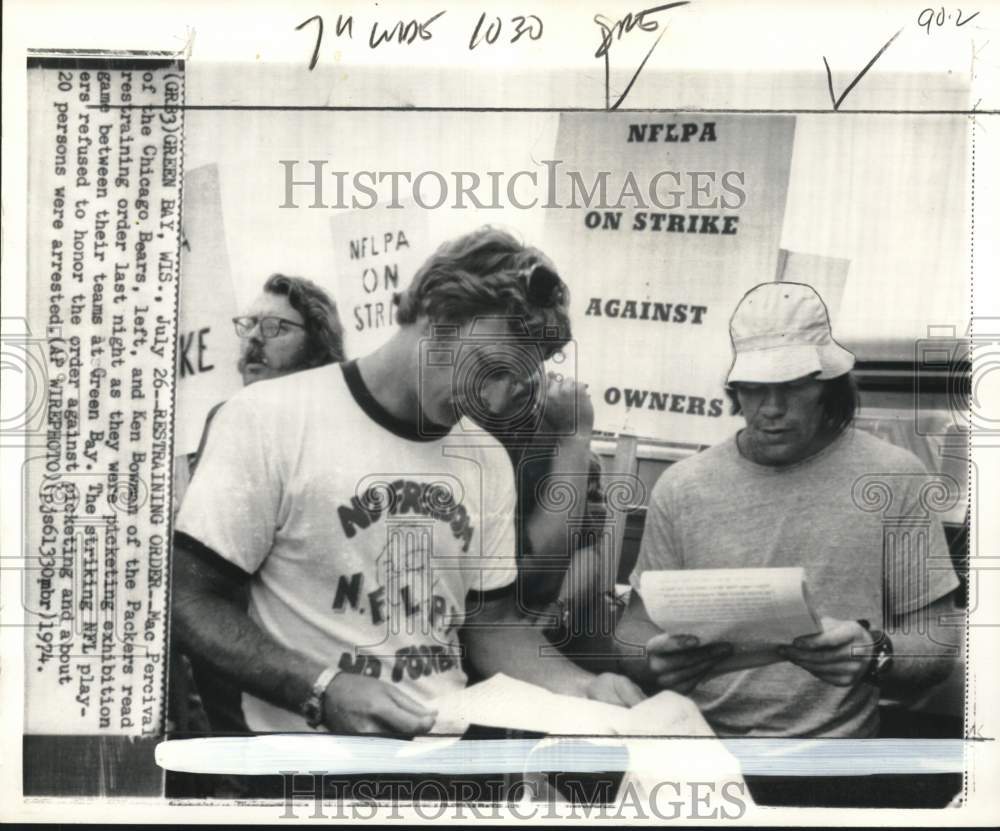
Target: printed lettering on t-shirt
(402, 497)
(409, 662)
(404, 603)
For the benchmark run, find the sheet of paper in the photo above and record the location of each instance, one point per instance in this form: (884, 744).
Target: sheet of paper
(502, 701)
(665, 714)
(755, 609)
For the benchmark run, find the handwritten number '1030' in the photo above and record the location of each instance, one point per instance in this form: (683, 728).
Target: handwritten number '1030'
(530, 26)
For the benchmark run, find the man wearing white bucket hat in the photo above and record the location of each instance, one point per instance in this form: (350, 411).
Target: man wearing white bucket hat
(780, 493)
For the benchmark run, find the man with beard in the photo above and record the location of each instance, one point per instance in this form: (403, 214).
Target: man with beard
(292, 325)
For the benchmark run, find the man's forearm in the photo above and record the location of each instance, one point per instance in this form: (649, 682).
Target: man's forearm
(569, 470)
(624, 650)
(498, 639)
(917, 664)
(550, 531)
(628, 647)
(924, 648)
(512, 646)
(218, 632)
(913, 675)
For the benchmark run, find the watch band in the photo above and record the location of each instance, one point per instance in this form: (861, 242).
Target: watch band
(312, 708)
(881, 657)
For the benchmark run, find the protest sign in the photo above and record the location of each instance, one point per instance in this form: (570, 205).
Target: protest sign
(658, 253)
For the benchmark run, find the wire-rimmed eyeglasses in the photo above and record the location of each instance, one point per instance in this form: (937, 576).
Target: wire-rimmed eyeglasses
(270, 327)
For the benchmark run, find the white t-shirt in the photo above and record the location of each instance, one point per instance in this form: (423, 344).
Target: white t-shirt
(364, 538)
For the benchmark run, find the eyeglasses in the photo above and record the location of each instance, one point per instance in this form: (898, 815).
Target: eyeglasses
(270, 327)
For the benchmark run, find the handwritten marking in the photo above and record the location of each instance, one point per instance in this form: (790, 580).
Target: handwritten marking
(636, 75)
(927, 17)
(621, 27)
(319, 38)
(829, 76)
(492, 31)
(522, 26)
(615, 31)
(404, 33)
(341, 27)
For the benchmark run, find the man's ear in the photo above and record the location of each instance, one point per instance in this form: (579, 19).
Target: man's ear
(424, 324)
(422, 328)
(437, 328)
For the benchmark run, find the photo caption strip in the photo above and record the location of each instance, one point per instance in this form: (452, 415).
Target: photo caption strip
(103, 265)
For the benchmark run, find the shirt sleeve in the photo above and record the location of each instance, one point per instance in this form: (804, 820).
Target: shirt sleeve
(658, 549)
(918, 564)
(233, 501)
(492, 568)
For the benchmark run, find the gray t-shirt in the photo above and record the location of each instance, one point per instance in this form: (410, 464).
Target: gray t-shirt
(828, 514)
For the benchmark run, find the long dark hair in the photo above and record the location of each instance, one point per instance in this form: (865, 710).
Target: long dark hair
(319, 311)
(487, 272)
(840, 398)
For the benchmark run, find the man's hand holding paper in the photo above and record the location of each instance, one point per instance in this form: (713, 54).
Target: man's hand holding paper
(839, 655)
(612, 688)
(680, 663)
(721, 620)
(356, 704)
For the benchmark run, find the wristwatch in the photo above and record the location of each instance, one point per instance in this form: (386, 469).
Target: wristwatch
(312, 708)
(881, 657)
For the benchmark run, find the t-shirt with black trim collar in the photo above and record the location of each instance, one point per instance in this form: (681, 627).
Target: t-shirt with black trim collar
(370, 542)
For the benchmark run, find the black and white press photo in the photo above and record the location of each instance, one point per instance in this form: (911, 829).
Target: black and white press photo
(527, 415)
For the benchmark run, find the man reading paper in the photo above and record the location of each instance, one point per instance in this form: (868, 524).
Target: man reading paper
(780, 494)
(371, 520)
